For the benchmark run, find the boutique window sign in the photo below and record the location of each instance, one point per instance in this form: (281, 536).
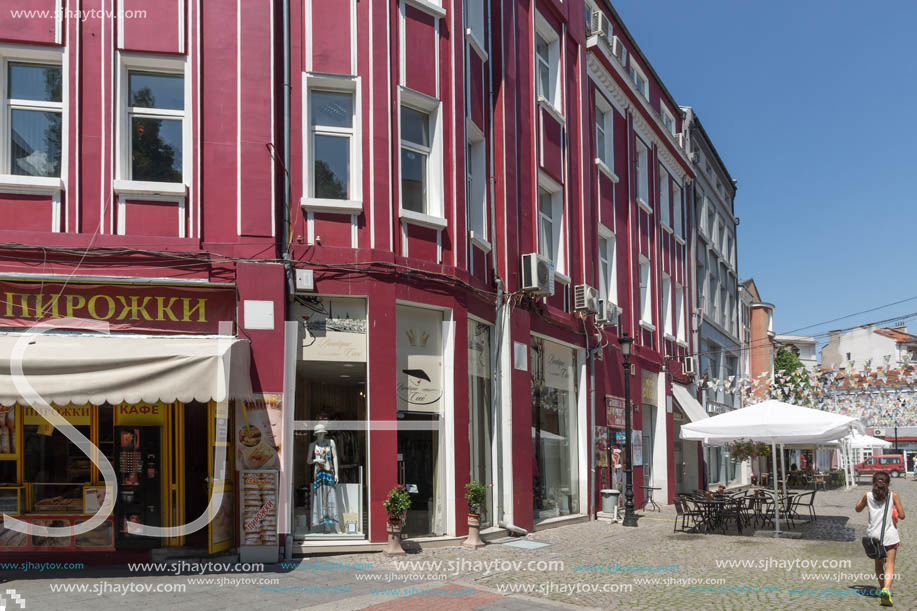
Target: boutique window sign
(334, 328)
(420, 359)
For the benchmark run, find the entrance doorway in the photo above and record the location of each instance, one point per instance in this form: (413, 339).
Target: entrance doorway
(197, 476)
(418, 471)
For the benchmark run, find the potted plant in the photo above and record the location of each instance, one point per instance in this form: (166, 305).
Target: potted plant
(396, 505)
(475, 496)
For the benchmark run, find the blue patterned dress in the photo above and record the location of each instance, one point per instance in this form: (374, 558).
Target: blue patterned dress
(324, 490)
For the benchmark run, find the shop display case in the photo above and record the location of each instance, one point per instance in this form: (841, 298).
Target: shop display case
(12, 500)
(57, 498)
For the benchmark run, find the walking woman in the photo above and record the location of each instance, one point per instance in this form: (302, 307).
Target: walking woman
(881, 509)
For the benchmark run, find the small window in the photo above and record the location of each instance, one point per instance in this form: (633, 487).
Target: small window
(664, 203)
(608, 277)
(646, 304)
(475, 18)
(331, 124)
(155, 115)
(602, 137)
(547, 62)
(676, 207)
(642, 178)
(415, 154)
(665, 303)
(639, 79)
(34, 110)
(477, 197)
(680, 312)
(668, 120)
(546, 246)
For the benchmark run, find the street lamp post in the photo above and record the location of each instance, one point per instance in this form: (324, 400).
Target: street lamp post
(630, 518)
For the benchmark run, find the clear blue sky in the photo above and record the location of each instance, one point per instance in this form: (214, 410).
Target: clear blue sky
(813, 107)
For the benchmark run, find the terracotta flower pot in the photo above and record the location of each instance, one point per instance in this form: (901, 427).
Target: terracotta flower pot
(473, 540)
(393, 547)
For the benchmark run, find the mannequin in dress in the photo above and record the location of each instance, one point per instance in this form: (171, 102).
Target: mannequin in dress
(323, 454)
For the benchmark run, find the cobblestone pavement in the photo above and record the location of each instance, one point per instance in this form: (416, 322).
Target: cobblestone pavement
(775, 576)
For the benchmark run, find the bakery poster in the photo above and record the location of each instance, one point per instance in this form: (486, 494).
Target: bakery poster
(221, 526)
(258, 432)
(259, 507)
(601, 446)
(420, 359)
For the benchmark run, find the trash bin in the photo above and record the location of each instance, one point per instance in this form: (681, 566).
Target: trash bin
(610, 500)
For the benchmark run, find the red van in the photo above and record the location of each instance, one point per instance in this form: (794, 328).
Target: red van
(892, 464)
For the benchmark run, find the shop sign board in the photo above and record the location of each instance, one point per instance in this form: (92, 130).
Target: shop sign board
(125, 307)
(649, 394)
(334, 328)
(258, 432)
(601, 446)
(77, 415)
(420, 359)
(614, 412)
(558, 366)
(140, 414)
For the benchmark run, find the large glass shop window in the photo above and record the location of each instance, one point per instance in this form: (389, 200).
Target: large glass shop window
(329, 445)
(555, 470)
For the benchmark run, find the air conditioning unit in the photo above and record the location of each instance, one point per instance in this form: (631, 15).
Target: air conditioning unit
(599, 25)
(607, 313)
(878, 432)
(537, 274)
(681, 140)
(618, 50)
(689, 366)
(693, 157)
(585, 299)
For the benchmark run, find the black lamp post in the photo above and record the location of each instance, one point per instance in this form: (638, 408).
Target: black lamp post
(630, 518)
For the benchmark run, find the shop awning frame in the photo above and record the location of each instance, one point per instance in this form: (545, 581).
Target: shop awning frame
(80, 368)
(689, 405)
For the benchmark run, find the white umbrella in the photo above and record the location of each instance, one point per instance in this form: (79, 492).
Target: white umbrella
(772, 422)
(867, 441)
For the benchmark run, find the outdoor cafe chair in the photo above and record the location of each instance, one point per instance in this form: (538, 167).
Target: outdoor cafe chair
(683, 511)
(807, 500)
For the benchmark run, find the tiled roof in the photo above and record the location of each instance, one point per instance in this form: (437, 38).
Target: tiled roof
(897, 335)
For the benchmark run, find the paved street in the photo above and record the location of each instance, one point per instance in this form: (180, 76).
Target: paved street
(498, 583)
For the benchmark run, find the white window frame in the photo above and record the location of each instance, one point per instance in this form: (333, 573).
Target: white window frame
(679, 312)
(476, 181)
(665, 303)
(665, 201)
(475, 32)
(646, 293)
(636, 71)
(124, 184)
(608, 258)
(604, 122)
(332, 84)
(434, 214)
(549, 35)
(558, 230)
(668, 119)
(677, 209)
(642, 152)
(14, 183)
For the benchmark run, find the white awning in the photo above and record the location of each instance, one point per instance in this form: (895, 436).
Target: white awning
(689, 405)
(77, 369)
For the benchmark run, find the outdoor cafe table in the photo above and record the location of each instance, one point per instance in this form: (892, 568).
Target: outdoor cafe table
(714, 512)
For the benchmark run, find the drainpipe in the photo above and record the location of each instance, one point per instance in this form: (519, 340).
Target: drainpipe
(591, 352)
(285, 200)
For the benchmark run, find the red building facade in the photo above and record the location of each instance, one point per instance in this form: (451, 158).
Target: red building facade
(469, 183)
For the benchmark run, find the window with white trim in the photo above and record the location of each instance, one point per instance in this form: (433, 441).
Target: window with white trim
(679, 312)
(676, 208)
(608, 274)
(642, 177)
(550, 226)
(32, 118)
(720, 234)
(638, 77)
(547, 62)
(477, 199)
(664, 203)
(421, 159)
(475, 19)
(331, 128)
(604, 146)
(715, 312)
(646, 302)
(665, 303)
(415, 156)
(668, 119)
(156, 116)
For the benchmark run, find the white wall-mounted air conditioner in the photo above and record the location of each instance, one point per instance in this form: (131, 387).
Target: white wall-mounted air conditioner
(878, 432)
(537, 274)
(607, 313)
(690, 365)
(585, 299)
(599, 25)
(618, 50)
